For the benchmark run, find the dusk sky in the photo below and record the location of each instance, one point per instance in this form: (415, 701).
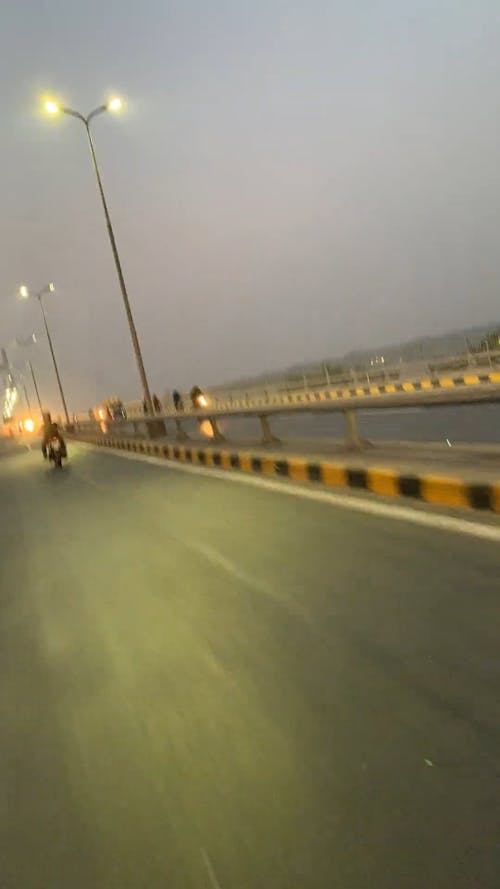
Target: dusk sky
(288, 181)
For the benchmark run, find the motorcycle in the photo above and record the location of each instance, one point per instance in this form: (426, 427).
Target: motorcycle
(55, 451)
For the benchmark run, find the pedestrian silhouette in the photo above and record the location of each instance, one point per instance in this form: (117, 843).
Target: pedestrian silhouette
(195, 395)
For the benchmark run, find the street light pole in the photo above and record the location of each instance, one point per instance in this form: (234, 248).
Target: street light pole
(51, 347)
(24, 294)
(36, 387)
(29, 342)
(126, 302)
(27, 398)
(113, 105)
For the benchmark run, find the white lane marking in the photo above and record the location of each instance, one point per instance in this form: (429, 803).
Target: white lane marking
(358, 504)
(217, 559)
(210, 869)
(86, 478)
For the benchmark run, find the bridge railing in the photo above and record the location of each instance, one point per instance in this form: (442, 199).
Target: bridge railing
(431, 391)
(326, 375)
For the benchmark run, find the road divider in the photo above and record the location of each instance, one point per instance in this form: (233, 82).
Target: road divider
(438, 490)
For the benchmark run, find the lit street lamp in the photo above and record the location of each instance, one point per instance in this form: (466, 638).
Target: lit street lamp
(5, 366)
(10, 394)
(114, 104)
(30, 341)
(24, 293)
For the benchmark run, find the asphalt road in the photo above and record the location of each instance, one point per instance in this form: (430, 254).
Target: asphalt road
(205, 685)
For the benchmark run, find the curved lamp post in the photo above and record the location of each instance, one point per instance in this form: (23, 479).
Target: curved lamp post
(114, 104)
(30, 341)
(24, 293)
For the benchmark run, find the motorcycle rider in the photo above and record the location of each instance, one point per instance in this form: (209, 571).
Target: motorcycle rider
(51, 430)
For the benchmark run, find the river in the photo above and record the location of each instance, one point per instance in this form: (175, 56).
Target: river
(465, 423)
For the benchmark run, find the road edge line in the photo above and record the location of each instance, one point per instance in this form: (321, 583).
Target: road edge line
(372, 505)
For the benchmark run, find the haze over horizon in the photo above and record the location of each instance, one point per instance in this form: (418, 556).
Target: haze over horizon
(288, 181)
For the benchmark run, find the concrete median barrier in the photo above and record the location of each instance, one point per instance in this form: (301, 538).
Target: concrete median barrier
(437, 490)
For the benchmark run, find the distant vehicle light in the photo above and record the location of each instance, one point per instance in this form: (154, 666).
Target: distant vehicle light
(29, 425)
(202, 401)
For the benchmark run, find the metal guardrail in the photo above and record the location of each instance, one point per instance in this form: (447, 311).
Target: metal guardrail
(426, 392)
(321, 376)
(470, 387)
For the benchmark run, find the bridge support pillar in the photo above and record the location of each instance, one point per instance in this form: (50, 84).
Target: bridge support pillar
(217, 434)
(352, 439)
(268, 436)
(156, 429)
(181, 432)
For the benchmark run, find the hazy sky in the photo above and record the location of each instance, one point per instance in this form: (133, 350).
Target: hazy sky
(289, 180)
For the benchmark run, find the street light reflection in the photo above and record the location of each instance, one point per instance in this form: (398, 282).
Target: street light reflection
(206, 429)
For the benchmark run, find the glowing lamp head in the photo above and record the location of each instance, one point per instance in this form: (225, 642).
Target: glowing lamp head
(52, 107)
(114, 104)
(23, 291)
(29, 425)
(52, 287)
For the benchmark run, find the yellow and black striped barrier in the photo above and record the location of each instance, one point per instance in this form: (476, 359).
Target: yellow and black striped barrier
(426, 385)
(466, 388)
(434, 489)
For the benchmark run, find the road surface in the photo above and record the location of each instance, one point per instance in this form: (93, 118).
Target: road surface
(206, 684)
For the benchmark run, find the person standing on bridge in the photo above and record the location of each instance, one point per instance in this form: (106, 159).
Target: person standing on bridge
(176, 397)
(195, 396)
(157, 404)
